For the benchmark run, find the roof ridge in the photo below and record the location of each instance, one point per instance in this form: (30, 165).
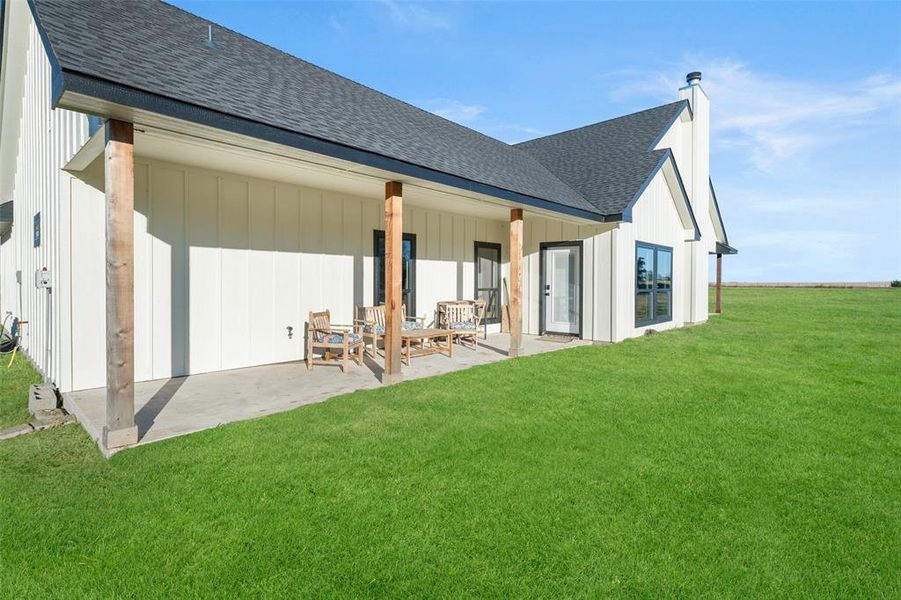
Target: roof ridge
(605, 121)
(527, 155)
(331, 72)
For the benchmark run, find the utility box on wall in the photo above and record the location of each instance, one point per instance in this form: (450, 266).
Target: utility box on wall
(42, 278)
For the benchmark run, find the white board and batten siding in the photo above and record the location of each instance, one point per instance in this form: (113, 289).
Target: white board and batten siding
(225, 264)
(655, 220)
(46, 139)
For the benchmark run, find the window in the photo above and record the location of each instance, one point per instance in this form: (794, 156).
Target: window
(488, 279)
(408, 270)
(653, 284)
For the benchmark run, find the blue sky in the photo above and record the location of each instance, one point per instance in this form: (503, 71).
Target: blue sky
(805, 99)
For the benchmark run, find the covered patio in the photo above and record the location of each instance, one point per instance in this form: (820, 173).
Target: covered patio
(218, 247)
(177, 406)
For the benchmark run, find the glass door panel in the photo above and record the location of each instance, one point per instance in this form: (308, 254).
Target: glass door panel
(408, 270)
(488, 279)
(562, 294)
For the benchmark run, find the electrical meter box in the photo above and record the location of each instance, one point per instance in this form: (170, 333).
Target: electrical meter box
(42, 278)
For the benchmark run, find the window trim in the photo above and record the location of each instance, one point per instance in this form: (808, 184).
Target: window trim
(654, 320)
(475, 275)
(409, 237)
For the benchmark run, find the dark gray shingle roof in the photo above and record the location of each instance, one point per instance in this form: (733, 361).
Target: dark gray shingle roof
(608, 162)
(155, 47)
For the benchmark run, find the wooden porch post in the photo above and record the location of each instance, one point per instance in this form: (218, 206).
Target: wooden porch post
(393, 278)
(515, 282)
(719, 283)
(120, 429)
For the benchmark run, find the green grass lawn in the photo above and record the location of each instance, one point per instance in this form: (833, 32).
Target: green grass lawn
(14, 384)
(758, 455)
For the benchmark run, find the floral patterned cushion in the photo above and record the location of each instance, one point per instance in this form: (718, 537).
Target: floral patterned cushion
(337, 338)
(469, 325)
(380, 329)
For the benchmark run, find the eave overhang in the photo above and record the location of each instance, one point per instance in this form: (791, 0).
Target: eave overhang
(724, 249)
(69, 89)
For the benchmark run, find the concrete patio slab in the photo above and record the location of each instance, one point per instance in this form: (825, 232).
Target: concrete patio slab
(173, 407)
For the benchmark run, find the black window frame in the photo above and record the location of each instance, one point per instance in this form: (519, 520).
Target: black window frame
(378, 283)
(654, 289)
(475, 273)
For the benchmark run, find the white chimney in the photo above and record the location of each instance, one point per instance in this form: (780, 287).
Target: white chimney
(697, 171)
(699, 168)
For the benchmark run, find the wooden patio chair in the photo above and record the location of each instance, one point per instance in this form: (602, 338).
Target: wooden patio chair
(371, 321)
(336, 342)
(463, 317)
(480, 306)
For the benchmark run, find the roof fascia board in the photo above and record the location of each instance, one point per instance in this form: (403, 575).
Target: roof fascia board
(669, 125)
(719, 215)
(691, 212)
(724, 249)
(84, 85)
(57, 80)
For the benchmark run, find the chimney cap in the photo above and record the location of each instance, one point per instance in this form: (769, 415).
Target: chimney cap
(693, 78)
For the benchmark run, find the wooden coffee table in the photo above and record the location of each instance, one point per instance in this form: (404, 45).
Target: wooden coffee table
(427, 340)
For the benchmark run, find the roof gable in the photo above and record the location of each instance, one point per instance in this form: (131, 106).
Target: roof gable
(610, 162)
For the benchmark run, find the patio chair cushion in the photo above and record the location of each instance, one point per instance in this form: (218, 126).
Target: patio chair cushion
(337, 338)
(468, 325)
(380, 329)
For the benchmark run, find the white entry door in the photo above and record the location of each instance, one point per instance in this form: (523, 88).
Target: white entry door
(562, 294)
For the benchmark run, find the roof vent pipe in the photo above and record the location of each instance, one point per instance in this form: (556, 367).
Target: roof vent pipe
(209, 43)
(693, 78)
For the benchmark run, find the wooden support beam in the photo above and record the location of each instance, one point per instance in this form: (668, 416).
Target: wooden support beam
(719, 284)
(515, 300)
(120, 429)
(394, 236)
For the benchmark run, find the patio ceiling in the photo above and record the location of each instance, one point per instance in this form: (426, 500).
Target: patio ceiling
(170, 140)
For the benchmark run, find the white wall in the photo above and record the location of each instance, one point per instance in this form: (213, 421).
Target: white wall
(45, 140)
(225, 263)
(654, 220)
(537, 230)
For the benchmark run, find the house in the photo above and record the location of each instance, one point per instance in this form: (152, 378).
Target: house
(182, 196)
